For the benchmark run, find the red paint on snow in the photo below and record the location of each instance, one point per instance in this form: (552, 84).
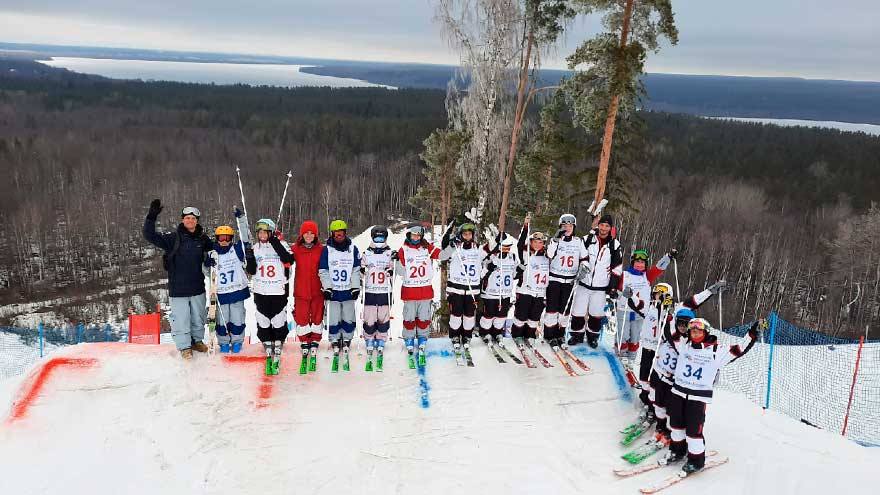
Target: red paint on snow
(35, 383)
(264, 391)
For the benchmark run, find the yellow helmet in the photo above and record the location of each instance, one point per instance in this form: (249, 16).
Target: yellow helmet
(224, 230)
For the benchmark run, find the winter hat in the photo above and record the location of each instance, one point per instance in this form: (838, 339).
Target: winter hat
(606, 218)
(308, 226)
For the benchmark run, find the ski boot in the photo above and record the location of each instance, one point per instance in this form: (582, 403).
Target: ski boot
(276, 359)
(334, 366)
(346, 354)
(423, 343)
(694, 463)
(304, 363)
(236, 347)
(409, 351)
(224, 348)
(379, 358)
(677, 452)
(592, 340)
(313, 357)
(576, 338)
(267, 348)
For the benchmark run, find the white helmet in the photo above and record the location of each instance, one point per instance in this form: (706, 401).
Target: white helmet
(568, 218)
(507, 241)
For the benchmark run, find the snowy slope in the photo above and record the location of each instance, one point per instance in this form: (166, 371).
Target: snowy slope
(142, 421)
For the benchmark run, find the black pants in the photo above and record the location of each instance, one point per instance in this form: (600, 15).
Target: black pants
(270, 306)
(528, 308)
(690, 416)
(494, 308)
(645, 363)
(461, 306)
(557, 297)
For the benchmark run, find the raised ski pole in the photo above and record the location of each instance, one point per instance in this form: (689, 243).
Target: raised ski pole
(241, 190)
(720, 326)
(675, 268)
(283, 196)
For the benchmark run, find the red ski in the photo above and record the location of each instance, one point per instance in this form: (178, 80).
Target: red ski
(577, 360)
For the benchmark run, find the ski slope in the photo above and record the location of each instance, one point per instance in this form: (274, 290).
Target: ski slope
(136, 419)
(143, 421)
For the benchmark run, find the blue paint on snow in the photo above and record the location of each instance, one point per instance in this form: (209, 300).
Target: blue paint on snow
(613, 364)
(424, 387)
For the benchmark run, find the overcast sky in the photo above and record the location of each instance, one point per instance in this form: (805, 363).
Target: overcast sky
(810, 38)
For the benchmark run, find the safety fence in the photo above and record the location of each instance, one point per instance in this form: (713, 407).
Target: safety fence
(826, 382)
(22, 347)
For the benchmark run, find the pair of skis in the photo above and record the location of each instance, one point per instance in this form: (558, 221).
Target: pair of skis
(463, 356)
(309, 362)
(379, 358)
(563, 355)
(346, 361)
(417, 355)
(712, 460)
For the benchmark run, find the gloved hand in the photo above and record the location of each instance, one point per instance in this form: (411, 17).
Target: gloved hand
(612, 293)
(210, 261)
(394, 256)
(718, 287)
(672, 253)
(355, 293)
(583, 272)
(559, 233)
(278, 235)
(248, 251)
(757, 327)
(237, 212)
(627, 292)
(155, 208)
(328, 294)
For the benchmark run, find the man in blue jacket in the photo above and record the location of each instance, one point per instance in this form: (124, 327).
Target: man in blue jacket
(185, 251)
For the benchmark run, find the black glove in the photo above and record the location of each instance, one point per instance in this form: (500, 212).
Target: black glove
(394, 256)
(673, 253)
(155, 208)
(238, 213)
(355, 293)
(248, 251)
(209, 262)
(560, 234)
(328, 294)
(627, 292)
(612, 293)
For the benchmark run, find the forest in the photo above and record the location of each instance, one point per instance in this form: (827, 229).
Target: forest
(786, 214)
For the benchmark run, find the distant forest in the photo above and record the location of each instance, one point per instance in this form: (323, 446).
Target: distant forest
(83, 156)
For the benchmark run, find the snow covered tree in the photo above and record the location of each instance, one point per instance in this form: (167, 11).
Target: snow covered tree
(485, 33)
(607, 90)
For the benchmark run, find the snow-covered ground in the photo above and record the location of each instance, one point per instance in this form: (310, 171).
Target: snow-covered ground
(143, 421)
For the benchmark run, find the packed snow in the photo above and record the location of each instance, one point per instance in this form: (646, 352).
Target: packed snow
(143, 421)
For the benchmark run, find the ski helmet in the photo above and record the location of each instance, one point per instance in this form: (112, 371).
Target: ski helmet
(265, 224)
(684, 315)
(338, 225)
(379, 233)
(639, 255)
(224, 230)
(568, 218)
(417, 230)
(699, 324)
(538, 236)
(465, 227)
(663, 292)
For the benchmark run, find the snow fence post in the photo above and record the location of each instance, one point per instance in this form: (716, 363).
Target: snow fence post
(773, 319)
(40, 331)
(79, 333)
(852, 387)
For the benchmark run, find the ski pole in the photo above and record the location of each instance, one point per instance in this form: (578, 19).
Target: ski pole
(675, 268)
(720, 327)
(241, 190)
(283, 196)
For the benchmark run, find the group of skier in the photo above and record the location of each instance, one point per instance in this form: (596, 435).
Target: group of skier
(566, 282)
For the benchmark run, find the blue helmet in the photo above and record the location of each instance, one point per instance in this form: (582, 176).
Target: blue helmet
(685, 314)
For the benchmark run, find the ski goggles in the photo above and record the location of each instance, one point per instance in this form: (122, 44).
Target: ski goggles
(698, 324)
(640, 255)
(224, 238)
(379, 239)
(538, 236)
(263, 226)
(564, 219)
(190, 210)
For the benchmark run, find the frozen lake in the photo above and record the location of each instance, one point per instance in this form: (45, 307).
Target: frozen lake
(197, 72)
(872, 129)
